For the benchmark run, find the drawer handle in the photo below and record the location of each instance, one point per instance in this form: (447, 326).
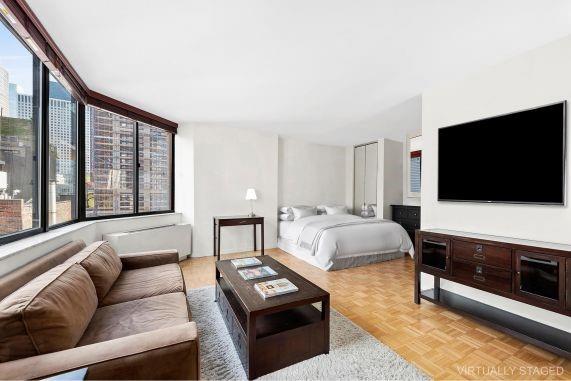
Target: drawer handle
(243, 222)
(479, 278)
(480, 257)
(479, 248)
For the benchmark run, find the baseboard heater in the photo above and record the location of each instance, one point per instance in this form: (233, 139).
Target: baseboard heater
(176, 236)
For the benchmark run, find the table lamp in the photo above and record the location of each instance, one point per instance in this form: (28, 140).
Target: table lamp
(251, 196)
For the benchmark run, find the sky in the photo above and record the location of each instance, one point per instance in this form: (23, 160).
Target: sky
(16, 59)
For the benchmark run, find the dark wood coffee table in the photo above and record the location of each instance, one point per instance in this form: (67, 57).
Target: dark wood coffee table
(276, 332)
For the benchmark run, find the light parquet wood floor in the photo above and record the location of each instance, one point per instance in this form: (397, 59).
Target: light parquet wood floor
(379, 298)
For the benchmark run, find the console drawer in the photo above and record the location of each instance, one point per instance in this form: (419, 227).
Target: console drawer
(482, 275)
(410, 225)
(485, 254)
(413, 213)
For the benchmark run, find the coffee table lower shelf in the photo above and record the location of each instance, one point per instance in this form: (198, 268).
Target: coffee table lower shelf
(277, 339)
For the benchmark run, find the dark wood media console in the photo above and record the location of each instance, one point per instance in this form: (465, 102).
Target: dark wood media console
(535, 273)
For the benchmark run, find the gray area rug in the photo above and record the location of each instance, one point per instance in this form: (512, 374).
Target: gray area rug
(354, 354)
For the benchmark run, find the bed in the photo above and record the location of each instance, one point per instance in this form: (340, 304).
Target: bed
(333, 242)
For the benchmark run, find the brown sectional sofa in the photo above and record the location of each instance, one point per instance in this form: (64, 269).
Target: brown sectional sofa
(119, 316)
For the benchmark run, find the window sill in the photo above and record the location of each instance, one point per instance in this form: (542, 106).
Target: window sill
(14, 248)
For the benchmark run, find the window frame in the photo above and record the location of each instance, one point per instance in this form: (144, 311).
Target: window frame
(135, 162)
(408, 151)
(135, 174)
(39, 126)
(42, 141)
(138, 167)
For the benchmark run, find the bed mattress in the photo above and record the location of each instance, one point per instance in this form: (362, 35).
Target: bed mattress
(332, 242)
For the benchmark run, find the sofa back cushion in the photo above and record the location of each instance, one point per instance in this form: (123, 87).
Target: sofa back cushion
(102, 263)
(19, 277)
(50, 313)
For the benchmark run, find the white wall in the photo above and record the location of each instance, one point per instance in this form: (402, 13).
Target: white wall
(411, 125)
(389, 177)
(406, 200)
(392, 173)
(536, 78)
(184, 173)
(311, 174)
(349, 176)
(220, 163)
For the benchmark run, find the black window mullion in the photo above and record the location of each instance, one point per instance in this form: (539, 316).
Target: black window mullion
(45, 150)
(137, 165)
(37, 110)
(75, 134)
(172, 173)
(81, 199)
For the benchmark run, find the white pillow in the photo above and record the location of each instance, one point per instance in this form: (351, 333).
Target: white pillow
(336, 210)
(288, 209)
(303, 212)
(286, 217)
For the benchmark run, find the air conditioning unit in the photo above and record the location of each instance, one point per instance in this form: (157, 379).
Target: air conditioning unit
(159, 238)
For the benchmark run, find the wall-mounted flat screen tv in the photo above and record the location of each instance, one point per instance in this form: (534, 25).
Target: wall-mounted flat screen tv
(513, 158)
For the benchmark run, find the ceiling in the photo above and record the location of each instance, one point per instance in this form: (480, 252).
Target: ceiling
(313, 69)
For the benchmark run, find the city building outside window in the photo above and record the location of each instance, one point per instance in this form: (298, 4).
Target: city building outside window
(155, 165)
(62, 173)
(109, 163)
(20, 73)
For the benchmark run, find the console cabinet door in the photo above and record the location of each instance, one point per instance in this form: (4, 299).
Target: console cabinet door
(435, 255)
(540, 278)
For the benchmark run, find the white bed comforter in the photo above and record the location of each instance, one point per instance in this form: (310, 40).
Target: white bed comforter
(327, 237)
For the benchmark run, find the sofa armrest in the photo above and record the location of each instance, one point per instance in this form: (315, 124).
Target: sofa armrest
(148, 259)
(169, 353)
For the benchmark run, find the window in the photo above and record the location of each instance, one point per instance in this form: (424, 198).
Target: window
(109, 163)
(415, 168)
(125, 166)
(20, 73)
(62, 173)
(154, 169)
(414, 165)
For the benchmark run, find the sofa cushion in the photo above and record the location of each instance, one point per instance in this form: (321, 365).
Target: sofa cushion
(145, 282)
(22, 275)
(137, 316)
(102, 263)
(50, 313)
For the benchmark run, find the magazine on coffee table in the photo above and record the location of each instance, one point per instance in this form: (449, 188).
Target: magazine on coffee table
(276, 287)
(257, 272)
(245, 262)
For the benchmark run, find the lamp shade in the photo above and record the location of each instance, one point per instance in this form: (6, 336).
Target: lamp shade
(251, 194)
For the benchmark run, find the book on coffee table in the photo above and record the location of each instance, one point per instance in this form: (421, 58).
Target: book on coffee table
(245, 262)
(275, 287)
(257, 272)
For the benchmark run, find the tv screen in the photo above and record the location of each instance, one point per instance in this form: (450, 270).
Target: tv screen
(514, 158)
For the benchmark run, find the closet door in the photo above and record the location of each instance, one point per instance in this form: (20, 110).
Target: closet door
(359, 180)
(371, 167)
